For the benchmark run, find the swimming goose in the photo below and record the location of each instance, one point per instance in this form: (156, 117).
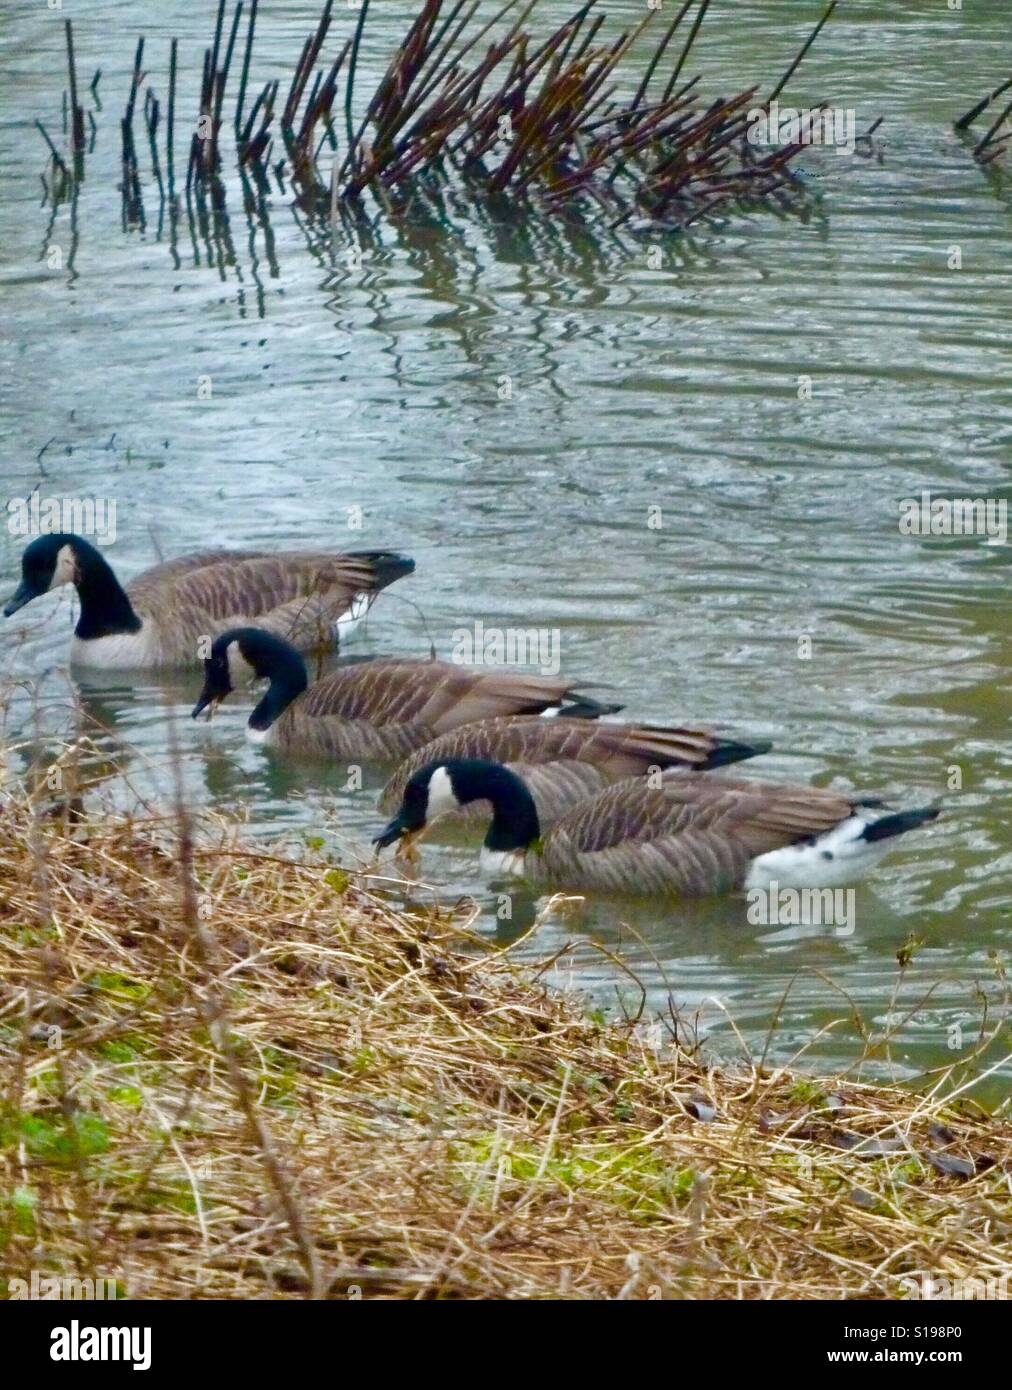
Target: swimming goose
(312, 597)
(687, 836)
(380, 709)
(562, 761)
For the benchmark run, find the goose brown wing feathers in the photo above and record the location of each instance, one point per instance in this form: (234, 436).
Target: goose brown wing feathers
(688, 835)
(765, 815)
(307, 622)
(436, 694)
(563, 761)
(151, 581)
(225, 586)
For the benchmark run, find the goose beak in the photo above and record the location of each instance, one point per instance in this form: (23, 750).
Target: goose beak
(394, 831)
(206, 699)
(22, 595)
(398, 830)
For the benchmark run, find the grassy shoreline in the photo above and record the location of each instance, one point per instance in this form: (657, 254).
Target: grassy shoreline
(232, 1072)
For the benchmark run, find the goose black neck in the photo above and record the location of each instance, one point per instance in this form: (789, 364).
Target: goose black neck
(105, 608)
(288, 679)
(515, 824)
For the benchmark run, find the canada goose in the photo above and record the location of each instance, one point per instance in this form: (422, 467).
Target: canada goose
(562, 762)
(380, 709)
(312, 597)
(686, 835)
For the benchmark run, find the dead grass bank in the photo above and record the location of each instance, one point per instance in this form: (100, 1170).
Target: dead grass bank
(275, 1085)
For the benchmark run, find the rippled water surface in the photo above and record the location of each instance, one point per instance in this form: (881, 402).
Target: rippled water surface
(634, 386)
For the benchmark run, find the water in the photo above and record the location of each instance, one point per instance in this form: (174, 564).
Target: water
(633, 388)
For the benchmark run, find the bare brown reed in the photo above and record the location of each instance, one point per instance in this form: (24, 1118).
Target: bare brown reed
(473, 94)
(996, 140)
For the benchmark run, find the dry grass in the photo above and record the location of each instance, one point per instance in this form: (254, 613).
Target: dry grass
(272, 1084)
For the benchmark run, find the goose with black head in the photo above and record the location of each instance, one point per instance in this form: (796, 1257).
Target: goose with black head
(374, 710)
(314, 598)
(675, 836)
(564, 761)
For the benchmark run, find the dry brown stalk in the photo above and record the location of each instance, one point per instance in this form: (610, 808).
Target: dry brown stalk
(289, 1085)
(540, 117)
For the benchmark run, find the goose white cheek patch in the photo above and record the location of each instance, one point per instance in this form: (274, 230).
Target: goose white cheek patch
(442, 798)
(65, 570)
(239, 669)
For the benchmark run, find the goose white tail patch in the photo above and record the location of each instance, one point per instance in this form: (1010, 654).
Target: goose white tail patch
(352, 616)
(552, 712)
(839, 856)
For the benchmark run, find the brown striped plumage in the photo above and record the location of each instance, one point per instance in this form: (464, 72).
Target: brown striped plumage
(298, 595)
(687, 836)
(386, 709)
(678, 834)
(562, 761)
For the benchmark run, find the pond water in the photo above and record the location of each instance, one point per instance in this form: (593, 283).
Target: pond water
(637, 384)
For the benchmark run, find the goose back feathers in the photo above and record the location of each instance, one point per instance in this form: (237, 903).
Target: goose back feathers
(687, 836)
(386, 709)
(563, 762)
(309, 597)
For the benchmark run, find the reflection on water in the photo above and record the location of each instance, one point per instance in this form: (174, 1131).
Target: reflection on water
(634, 385)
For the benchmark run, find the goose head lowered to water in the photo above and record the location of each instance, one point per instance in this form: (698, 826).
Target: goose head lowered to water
(681, 835)
(562, 762)
(378, 709)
